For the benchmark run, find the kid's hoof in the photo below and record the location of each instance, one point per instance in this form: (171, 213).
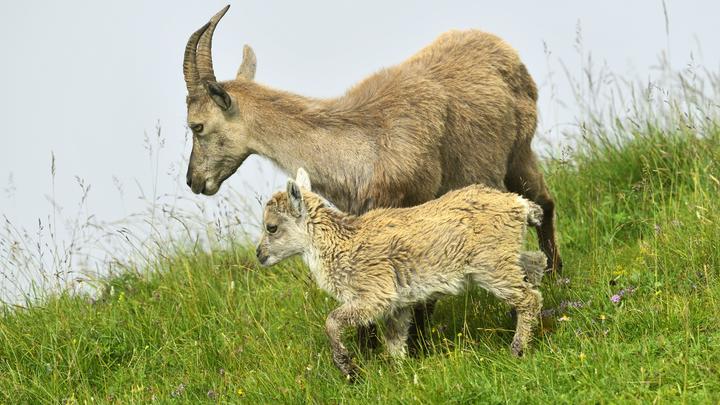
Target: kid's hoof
(351, 373)
(516, 349)
(352, 378)
(346, 366)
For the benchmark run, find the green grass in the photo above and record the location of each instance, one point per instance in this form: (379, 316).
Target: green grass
(204, 326)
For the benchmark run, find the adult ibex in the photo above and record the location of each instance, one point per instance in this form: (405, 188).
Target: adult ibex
(459, 112)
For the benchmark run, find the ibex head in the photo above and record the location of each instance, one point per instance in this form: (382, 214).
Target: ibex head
(285, 232)
(213, 114)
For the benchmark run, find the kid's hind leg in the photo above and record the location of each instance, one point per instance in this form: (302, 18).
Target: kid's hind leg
(507, 283)
(397, 325)
(528, 308)
(421, 316)
(534, 265)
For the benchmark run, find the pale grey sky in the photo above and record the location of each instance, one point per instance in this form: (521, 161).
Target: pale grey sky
(86, 79)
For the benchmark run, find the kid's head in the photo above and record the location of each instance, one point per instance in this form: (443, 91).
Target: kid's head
(285, 231)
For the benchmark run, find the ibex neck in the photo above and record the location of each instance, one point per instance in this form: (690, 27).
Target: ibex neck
(327, 224)
(329, 229)
(318, 135)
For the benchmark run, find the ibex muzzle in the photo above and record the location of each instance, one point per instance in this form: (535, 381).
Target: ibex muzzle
(213, 114)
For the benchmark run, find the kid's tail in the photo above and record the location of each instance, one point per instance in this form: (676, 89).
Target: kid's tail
(535, 214)
(533, 264)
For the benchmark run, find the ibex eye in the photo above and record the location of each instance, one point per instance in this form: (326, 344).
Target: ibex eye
(271, 228)
(197, 128)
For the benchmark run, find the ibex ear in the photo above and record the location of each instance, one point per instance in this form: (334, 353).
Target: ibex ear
(249, 63)
(295, 200)
(302, 178)
(218, 95)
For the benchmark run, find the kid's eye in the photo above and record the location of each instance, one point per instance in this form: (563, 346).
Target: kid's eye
(271, 228)
(197, 128)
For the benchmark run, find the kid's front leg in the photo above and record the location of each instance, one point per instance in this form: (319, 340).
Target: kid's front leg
(336, 322)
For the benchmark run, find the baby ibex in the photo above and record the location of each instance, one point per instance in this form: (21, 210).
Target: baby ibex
(382, 263)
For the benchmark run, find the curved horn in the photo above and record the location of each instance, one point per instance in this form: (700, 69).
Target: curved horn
(204, 50)
(192, 78)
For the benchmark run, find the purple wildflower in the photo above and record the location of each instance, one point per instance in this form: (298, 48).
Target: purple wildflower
(562, 281)
(620, 294)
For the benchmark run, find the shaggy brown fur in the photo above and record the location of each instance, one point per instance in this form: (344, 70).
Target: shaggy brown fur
(461, 111)
(380, 264)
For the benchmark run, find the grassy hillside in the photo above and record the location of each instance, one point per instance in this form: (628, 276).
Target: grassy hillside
(634, 317)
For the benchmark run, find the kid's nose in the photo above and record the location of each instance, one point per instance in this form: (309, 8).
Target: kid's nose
(260, 255)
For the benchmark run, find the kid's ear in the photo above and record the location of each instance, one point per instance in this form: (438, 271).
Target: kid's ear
(302, 178)
(295, 200)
